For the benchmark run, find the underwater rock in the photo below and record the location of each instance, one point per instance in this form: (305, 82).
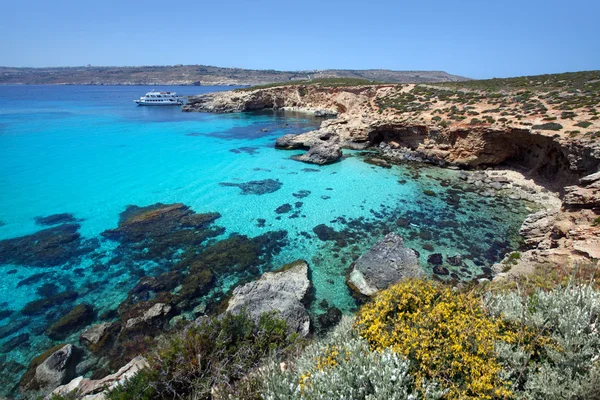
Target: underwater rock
(247, 149)
(261, 222)
(456, 260)
(284, 208)
(53, 368)
(35, 278)
(40, 306)
(47, 290)
(138, 223)
(301, 194)
(283, 291)
(97, 337)
(310, 170)
(380, 162)
(197, 283)
(14, 342)
(55, 219)
(98, 389)
(46, 248)
(239, 253)
(80, 316)
(435, 259)
(326, 233)
(12, 327)
(11, 372)
(256, 187)
(403, 222)
(5, 314)
(384, 264)
(158, 232)
(439, 270)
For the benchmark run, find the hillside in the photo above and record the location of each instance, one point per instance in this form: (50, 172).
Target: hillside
(197, 75)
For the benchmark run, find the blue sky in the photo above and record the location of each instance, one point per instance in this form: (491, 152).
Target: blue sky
(479, 39)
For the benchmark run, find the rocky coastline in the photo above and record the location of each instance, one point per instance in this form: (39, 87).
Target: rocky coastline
(516, 156)
(556, 172)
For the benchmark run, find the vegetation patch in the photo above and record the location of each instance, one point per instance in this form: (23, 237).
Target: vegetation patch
(549, 126)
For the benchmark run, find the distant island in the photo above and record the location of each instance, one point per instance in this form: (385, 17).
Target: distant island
(202, 75)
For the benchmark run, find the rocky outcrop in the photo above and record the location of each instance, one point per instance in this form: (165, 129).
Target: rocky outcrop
(537, 225)
(290, 98)
(585, 196)
(282, 292)
(87, 389)
(50, 370)
(407, 125)
(98, 336)
(323, 147)
(383, 265)
(155, 316)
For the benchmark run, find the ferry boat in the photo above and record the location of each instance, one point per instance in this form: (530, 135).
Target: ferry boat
(160, 99)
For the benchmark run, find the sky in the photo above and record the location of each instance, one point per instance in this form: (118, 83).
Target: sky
(477, 39)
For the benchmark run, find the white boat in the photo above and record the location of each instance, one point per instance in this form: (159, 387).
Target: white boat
(160, 99)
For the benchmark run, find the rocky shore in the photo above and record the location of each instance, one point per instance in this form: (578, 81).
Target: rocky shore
(509, 150)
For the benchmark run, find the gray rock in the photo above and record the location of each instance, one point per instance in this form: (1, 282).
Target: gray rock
(96, 389)
(97, 336)
(586, 180)
(321, 154)
(282, 291)
(537, 225)
(325, 113)
(383, 265)
(323, 146)
(56, 370)
(154, 315)
(578, 197)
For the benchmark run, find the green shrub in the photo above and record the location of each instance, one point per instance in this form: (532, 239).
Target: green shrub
(583, 124)
(565, 360)
(550, 126)
(212, 355)
(341, 366)
(139, 387)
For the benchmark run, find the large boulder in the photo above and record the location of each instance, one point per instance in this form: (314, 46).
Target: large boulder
(49, 370)
(323, 146)
(537, 225)
(321, 154)
(283, 292)
(97, 389)
(383, 265)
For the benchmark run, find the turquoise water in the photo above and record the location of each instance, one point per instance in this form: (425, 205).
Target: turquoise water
(91, 152)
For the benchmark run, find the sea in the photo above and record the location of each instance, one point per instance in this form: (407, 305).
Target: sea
(91, 153)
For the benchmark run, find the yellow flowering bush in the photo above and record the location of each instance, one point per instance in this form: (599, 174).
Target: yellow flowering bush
(444, 333)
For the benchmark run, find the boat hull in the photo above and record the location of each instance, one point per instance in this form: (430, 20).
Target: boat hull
(141, 103)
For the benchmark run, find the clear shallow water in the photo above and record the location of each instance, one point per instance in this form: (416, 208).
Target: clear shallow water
(91, 152)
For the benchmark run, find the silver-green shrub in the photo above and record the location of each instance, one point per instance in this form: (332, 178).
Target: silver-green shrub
(567, 365)
(342, 367)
